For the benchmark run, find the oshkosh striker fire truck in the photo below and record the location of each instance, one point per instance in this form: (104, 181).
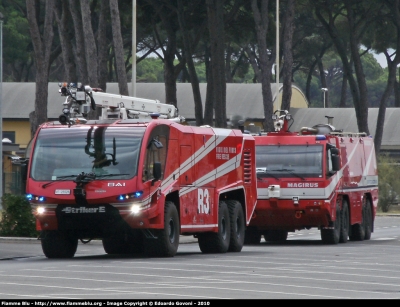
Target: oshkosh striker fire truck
(137, 182)
(317, 177)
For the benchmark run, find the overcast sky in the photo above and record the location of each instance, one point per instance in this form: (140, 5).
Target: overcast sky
(381, 59)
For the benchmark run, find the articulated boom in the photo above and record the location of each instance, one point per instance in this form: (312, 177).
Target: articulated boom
(80, 99)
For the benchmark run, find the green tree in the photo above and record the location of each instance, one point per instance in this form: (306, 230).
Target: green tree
(166, 32)
(389, 182)
(62, 16)
(262, 56)
(190, 42)
(119, 48)
(42, 39)
(216, 29)
(287, 74)
(392, 9)
(150, 70)
(346, 21)
(17, 219)
(311, 43)
(17, 45)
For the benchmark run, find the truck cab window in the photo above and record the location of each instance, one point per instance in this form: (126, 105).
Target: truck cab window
(73, 152)
(156, 151)
(289, 160)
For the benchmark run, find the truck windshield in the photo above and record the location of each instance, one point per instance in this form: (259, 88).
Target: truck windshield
(109, 152)
(282, 161)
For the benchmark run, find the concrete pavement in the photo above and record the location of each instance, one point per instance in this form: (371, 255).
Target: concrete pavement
(182, 240)
(7, 253)
(11, 247)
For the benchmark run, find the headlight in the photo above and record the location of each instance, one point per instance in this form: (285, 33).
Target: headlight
(135, 209)
(40, 210)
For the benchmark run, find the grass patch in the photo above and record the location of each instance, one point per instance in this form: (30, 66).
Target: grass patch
(394, 209)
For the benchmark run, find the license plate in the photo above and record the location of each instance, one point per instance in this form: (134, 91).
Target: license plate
(62, 192)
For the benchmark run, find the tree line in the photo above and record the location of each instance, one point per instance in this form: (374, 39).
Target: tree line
(322, 44)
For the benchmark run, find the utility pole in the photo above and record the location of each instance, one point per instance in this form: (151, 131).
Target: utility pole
(277, 51)
(134, 48)
(324, 90)
(1, 105)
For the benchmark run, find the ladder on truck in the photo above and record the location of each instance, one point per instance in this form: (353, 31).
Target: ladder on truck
(81, 99)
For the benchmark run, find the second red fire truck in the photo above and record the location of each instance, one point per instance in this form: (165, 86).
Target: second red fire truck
(318, 177)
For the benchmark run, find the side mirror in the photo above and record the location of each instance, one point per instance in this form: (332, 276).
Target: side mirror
(335, 162)
(334, 151)
(156, 171)
(335, 158)
(24, 171)
(156, 143)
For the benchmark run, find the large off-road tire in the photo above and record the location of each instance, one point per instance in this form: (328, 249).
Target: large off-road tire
(358, 230)
(166, 241)
(345, 226)
(238, 225)
(217, 242)
(368, 220)
(115, 244)
(58, 244)
(252, 236)
(123, 242)
(332, 235)
(275, 235)
(136, 241)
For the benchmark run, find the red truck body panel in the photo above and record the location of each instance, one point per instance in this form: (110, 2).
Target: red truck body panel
(201, 166)
(317, 196)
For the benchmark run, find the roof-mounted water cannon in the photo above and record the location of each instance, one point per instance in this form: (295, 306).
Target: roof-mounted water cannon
(78, 102)
(281, 120)
(321, 129)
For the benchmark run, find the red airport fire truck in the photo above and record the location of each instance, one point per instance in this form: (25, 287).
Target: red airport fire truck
(318, 177)
(137, 178)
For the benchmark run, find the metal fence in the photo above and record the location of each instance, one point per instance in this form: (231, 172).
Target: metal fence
(12, 181)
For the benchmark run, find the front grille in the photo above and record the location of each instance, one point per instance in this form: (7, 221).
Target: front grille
(78, 217)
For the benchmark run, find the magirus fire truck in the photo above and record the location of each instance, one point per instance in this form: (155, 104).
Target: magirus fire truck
(317, 177)
(137, 178)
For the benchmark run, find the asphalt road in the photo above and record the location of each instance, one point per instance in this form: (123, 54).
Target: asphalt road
(300, 268)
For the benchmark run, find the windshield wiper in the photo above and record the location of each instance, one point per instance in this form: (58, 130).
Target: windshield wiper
(109, 175)
(81, 177)
(59, 178)
(290, 171)
(264, 170)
